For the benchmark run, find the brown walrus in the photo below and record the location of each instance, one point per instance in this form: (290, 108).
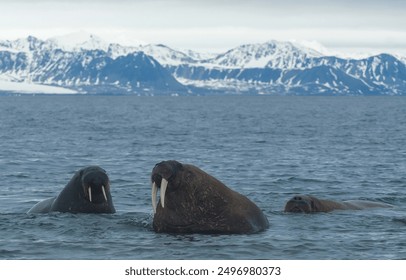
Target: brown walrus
(311, 204)
(193, 201)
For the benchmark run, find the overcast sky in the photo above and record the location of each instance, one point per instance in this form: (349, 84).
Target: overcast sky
(216, 25)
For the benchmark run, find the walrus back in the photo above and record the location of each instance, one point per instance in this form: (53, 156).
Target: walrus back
(365, 204)
(249, 217)
(329, 205)
(44, 206)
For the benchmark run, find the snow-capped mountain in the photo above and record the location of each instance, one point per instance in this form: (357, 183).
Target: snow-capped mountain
(287, 68)
(83, 67)
(273, 54)
(85, 63)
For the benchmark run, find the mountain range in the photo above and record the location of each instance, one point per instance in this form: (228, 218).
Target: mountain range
(84, 63)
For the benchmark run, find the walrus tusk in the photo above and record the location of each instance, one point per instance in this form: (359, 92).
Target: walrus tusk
(89, 189)
(164, 185)
(154, 195)
(104, 193)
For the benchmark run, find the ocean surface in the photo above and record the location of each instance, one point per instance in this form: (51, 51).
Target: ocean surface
(267, 148)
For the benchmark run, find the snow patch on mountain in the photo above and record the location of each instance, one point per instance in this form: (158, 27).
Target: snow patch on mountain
(198, 56)
(166, 55)
(401, 58)
(30, 88)
(116, 50)
(79, 41)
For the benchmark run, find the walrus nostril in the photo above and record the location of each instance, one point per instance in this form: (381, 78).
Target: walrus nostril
(297, 198)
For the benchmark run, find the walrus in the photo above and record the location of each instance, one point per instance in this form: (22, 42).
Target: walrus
(87, 192)
(311, 204)
(192, 201)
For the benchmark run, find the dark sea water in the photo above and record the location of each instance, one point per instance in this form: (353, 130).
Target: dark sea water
(267, 148)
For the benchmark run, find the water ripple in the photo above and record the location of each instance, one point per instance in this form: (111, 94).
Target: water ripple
(267, 148)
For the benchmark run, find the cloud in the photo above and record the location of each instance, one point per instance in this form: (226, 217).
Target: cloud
(218, 23)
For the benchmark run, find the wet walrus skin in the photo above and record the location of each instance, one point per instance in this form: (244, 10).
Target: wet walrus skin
(311, 204)
(87, 192)
(192, 201)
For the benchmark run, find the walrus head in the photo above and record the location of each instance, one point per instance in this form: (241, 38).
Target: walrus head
(161, 175)
(88, 191)
(95, 184)
(193, 201)
(302, 204)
